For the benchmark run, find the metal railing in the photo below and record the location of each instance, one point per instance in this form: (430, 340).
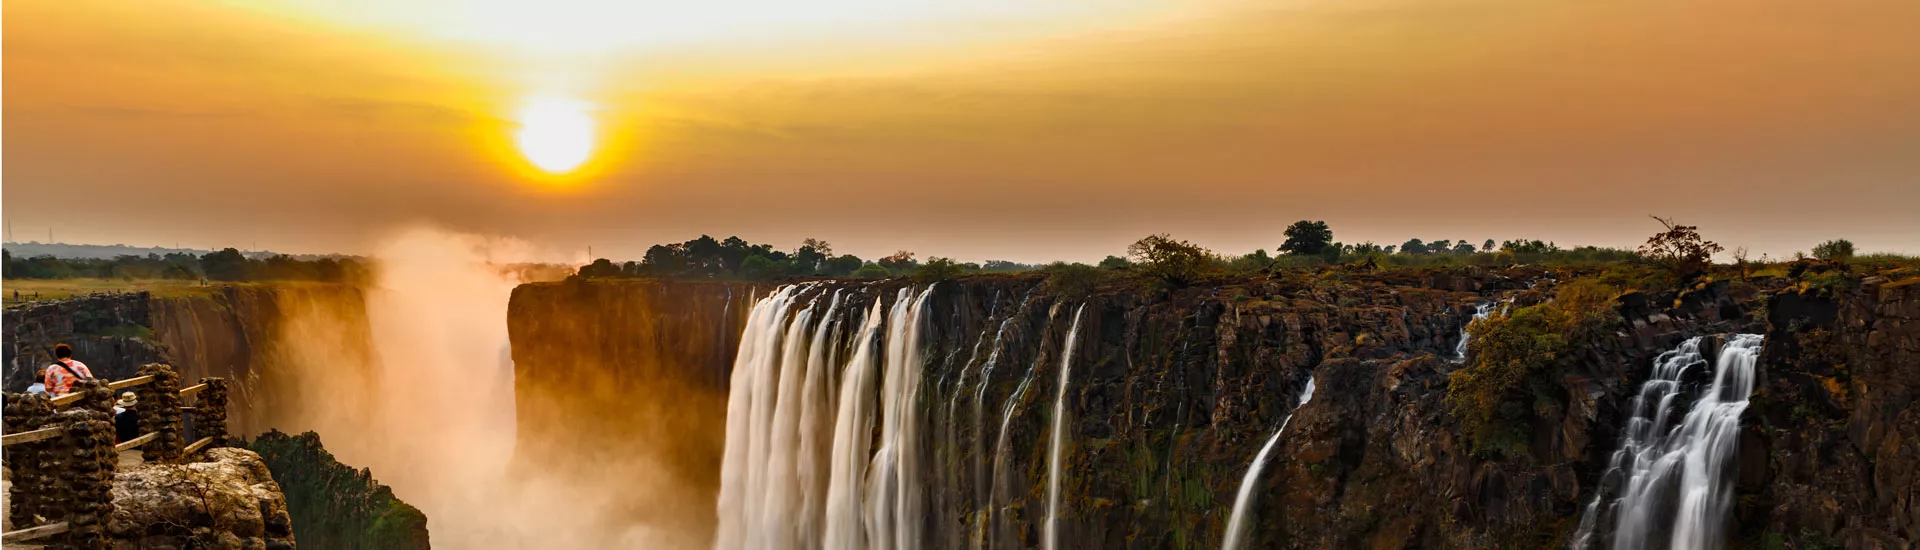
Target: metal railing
(63, 460)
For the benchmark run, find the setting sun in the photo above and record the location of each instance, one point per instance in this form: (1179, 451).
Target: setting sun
(556, 134)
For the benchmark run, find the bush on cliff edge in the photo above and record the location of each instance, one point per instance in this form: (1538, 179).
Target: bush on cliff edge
(334, 505)
(1510, 380)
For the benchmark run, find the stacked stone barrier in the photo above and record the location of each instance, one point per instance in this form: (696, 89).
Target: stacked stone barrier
(87, 476)
(32, 463)
(159, 410)
(210, 413)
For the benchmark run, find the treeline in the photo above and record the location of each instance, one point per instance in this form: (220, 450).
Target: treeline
(225, 265)
(736, 259)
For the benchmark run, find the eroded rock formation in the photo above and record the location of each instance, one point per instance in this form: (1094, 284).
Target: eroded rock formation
(225, 500)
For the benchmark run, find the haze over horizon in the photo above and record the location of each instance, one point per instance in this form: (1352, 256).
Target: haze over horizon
(1019, 131)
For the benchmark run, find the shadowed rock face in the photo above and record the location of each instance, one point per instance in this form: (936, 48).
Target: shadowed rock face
(334, 505)
(1172, 393)
(622, 385)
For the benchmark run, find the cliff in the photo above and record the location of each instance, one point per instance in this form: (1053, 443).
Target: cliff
(334, 505)
(623, 384)
(1172, 394)
(240, 332)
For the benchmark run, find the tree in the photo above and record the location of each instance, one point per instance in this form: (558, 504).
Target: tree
(1837, 249)
(1307, 238)
(899, 261)
(937, 269)
(600, 269)
(812, 256)
(1115, 262)
(760, 268)
(225, 265)
(1679, 250)
(1487, 246)
(818, 246)
(1176, 263)
(842, 266)
(1463, 248)
(1413, 246)
(871, 271)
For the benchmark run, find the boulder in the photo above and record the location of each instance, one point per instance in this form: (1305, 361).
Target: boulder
(226, 500)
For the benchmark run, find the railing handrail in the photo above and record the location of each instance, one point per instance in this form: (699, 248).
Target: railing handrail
(168, 423)
(68, 399)
(30, 533)
(29, 437)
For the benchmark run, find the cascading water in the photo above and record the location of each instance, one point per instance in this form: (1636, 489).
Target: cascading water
(1481, 311)
(1237, 523)
(1670, 483)
(1059, 433)
(781, 486)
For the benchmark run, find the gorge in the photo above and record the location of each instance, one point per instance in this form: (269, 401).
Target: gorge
(1006, 411)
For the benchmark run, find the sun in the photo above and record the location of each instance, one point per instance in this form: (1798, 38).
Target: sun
(556, 134)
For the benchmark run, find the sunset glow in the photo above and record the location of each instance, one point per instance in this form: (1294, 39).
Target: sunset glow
(556, 134)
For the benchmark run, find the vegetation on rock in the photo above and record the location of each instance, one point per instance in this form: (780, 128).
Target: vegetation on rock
(334, 505)
(1513, 359)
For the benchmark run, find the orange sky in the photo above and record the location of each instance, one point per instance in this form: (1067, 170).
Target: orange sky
(1027, 131)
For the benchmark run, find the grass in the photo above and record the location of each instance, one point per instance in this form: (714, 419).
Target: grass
(53, 289)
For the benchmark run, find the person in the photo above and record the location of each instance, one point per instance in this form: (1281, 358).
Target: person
(37, 388)
(126, 418)
(64, 370)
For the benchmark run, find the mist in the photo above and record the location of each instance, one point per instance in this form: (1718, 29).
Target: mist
(422, 393)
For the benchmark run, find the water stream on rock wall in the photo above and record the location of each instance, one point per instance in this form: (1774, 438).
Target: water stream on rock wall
(1481, 311)
(1668, 486)
(1237, 522)
(1059, 434)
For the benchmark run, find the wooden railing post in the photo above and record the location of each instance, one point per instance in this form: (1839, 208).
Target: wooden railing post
(32, 463)
(210, 412)
(88, 476)
(159, 411)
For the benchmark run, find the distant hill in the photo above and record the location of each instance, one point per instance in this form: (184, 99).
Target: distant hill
(32, 249)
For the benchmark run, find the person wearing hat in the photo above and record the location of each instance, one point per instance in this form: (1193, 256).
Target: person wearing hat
(126, 418)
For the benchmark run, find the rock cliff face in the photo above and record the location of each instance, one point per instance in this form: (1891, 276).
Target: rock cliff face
(239, 332)
(623, 384)
(1173, 393)
(336, 506)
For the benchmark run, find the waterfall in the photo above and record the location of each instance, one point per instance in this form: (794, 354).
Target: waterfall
(1237, 523)
(1059, 434)
(1481, 311)
(800, 469)
(852, 424)
(1672, 484)
(1002, 490)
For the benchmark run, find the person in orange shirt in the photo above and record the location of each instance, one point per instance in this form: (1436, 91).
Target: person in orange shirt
(64, 370)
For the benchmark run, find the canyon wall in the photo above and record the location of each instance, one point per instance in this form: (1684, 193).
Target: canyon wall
(621, 385)
(1172, 393)
(278, 343)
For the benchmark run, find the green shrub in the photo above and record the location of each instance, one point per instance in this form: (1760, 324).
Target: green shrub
(937, 269)
(1076, 281)
(334, 505)
(1510, 382)
(1837, 249)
